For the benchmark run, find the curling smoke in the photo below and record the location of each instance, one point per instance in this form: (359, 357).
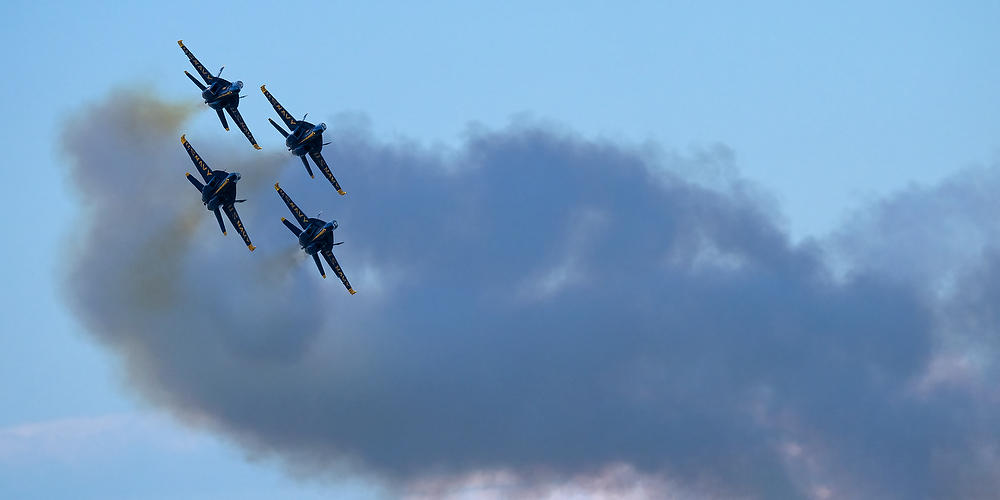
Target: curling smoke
(535, 305)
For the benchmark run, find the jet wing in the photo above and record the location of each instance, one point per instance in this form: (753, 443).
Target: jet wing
(196, 63)
(206, 173)
(299, 216)
(234, 218)
(238, 119)
(282, 112)
(321, 163)
(330, 259)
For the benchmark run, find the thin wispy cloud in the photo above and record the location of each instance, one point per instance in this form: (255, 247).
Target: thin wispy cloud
(81, 440)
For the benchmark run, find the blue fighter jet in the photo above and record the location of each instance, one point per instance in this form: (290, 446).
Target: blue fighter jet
(218, 191)
(315, 237)
(220, 94)
(304, 139)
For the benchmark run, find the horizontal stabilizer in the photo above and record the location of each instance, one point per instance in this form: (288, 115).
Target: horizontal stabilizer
(283, 133)
(319, 265)
(222, 118)
(195, 80)
(291, 227)
(199, 185)
(309, 169)
(218, 217)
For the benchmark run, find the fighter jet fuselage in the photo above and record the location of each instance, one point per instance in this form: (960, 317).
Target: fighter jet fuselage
(317, 236)
(222, 93)
(305, 138)
(220, 189)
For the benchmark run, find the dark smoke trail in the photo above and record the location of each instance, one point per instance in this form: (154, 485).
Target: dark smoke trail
(533, 304)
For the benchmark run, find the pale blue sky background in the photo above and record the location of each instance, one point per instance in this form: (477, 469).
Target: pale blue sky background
(824, 106)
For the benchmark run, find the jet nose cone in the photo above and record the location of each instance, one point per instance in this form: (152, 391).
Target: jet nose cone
(239, 84)
(322, 126)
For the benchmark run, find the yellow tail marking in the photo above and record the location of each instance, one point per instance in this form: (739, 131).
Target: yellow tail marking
(352, 291)
(342, 192)
(256, 147)
(183, 140)
(251, 247)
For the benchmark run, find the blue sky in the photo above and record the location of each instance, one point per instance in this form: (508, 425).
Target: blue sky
(825, 107)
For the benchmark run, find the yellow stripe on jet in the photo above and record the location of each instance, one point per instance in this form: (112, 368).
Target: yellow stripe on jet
(221, 186)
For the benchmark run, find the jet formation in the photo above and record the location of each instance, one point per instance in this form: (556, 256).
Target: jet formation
(218, 187)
